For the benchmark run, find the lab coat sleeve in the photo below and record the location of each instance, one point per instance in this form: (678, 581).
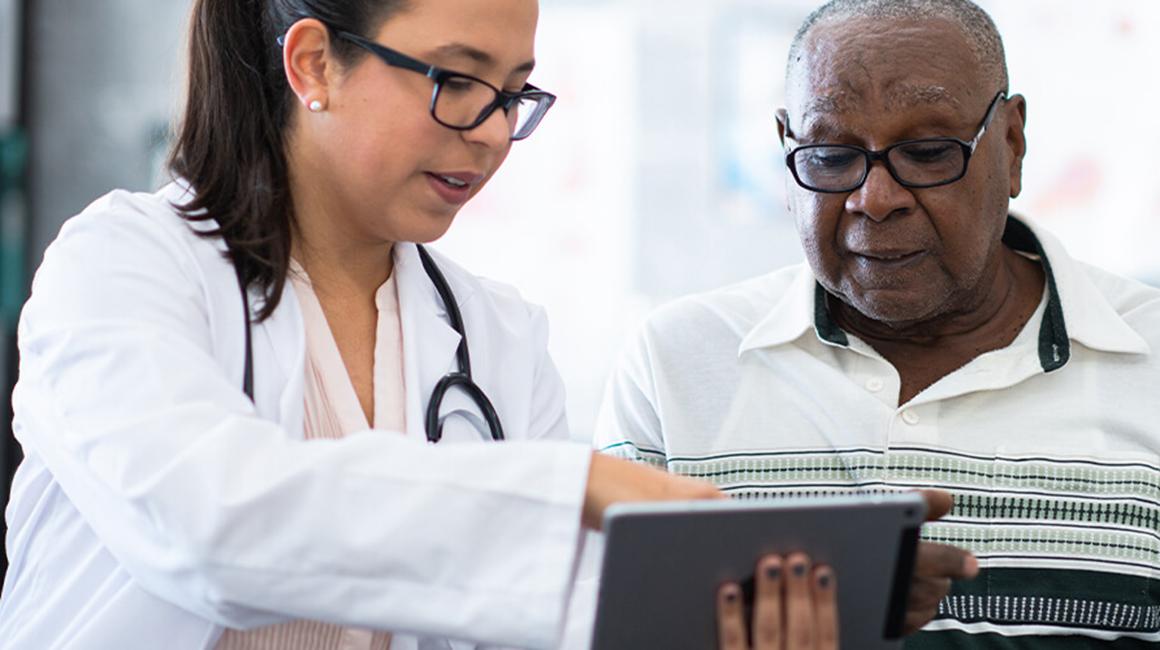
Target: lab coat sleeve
(222, 513)
(549, 421)
(628, 424)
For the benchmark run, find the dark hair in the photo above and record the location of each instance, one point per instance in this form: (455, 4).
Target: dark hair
(231, 137)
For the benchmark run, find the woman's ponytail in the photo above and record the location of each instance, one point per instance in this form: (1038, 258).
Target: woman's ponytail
(230, 139)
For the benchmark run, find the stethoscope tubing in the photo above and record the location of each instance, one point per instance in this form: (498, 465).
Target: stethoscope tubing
(461, 378)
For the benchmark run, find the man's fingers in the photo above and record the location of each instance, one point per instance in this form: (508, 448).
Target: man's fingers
(927, 592)
(730, 619)
(922, 606)
(943, 561)
(799, 615)
(935, 567)
(767, 610)
(825, 593)
(938, 503)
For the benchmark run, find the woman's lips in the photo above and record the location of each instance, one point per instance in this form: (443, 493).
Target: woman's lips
(453, 188)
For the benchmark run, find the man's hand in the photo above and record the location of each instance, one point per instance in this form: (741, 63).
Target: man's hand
(936, 566)
(796, 608)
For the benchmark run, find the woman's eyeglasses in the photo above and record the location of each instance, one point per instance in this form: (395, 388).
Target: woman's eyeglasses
(463, 102)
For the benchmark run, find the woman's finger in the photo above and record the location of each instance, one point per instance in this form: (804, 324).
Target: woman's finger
(799, 606)
(767, 610)
(825, 594)
(730, 619)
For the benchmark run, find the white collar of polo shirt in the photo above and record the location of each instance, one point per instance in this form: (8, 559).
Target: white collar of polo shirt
(1076, 310)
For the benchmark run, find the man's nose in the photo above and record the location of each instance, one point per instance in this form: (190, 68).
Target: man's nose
(880, 196)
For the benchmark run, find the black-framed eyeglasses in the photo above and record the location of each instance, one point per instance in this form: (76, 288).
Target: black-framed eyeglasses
(923, 163)
(463, 102)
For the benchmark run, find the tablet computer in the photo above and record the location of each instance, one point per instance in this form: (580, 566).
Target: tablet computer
(664, 562)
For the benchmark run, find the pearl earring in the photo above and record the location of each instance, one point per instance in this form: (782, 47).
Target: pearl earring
(315, 106)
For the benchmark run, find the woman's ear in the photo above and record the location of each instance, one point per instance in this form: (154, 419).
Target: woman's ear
(307, 60)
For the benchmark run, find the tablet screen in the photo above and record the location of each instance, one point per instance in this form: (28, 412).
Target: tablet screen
(663, 563)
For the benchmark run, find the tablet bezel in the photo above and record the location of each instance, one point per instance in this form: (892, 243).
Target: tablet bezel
(692, 547)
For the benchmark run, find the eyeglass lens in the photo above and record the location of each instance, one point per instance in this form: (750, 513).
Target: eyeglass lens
(838, 167)
(463, 102)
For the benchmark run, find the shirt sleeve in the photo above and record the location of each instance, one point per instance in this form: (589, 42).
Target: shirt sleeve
(628, 424)
(214, 509)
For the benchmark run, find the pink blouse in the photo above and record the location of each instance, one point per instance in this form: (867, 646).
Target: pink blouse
(333, 411)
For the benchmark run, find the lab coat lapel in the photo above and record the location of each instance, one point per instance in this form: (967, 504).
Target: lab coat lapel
(280, 360)
(429, 341)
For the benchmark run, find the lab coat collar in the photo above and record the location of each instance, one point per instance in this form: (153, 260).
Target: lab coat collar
(1076, 309)
(429, 341)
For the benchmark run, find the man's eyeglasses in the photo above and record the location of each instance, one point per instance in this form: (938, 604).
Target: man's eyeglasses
(463, 102)
(929, 162)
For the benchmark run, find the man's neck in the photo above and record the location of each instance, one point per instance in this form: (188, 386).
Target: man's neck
(924, 352)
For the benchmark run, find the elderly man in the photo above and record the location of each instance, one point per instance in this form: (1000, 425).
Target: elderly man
(932, 340)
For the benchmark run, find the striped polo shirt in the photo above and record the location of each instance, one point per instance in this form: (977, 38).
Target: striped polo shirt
(1049, 445)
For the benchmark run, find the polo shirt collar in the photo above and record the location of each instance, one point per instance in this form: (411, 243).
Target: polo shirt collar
(1076, 310)
(790, 317)
(1091, 320)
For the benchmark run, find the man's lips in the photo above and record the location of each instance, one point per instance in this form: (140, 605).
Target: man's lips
(890, 257)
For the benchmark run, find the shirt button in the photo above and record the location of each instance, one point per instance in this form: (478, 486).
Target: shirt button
(910, 417)
(875, 384)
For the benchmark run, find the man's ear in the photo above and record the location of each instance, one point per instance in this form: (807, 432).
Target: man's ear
(306, 58)
(782, 125)
(1016, 114)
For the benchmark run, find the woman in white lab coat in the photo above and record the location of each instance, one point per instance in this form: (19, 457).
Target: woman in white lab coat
(194, 481)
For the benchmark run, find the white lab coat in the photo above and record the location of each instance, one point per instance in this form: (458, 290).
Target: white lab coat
(157, 504)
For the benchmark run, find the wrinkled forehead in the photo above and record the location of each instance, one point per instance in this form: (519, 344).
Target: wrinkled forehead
(855, 65)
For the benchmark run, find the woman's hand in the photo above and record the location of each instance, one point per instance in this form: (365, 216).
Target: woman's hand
(612, 480)
(795, 608)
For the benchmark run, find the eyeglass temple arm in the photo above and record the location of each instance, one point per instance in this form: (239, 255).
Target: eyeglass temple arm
(1002, 94)
(397, 59)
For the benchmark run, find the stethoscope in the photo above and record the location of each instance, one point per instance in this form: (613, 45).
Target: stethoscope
(460, 378)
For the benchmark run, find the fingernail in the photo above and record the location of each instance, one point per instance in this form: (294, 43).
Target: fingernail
(773, 572)
(731, 596)
(799, 569)
(824, 581)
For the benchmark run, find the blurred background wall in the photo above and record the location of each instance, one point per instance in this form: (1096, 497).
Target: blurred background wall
(657, 174)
